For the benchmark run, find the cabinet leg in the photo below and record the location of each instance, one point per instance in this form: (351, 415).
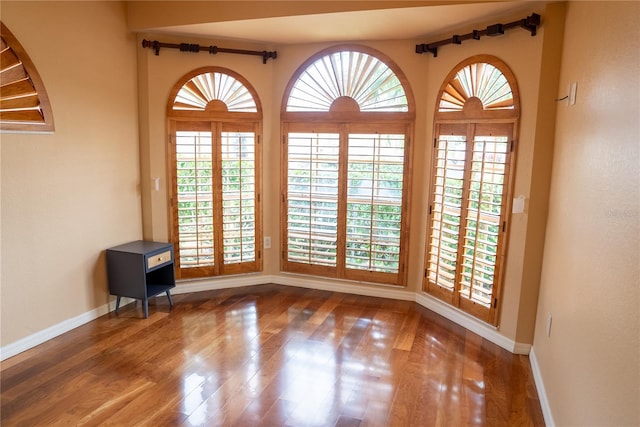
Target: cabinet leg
(170, 300)
(146, 308)
(117, 303)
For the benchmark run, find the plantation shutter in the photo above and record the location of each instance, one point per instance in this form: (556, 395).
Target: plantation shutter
(216, 212)
(312, 208)
(484, 222)
(446, 206)
(239, 196)
(194, 197)
(471, 170)
(344, 203)
(375, 176)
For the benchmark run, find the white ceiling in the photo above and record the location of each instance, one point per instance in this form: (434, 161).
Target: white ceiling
(389, 24)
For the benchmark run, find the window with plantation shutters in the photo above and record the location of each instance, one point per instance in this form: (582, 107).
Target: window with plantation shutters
(473, 154)
(214, 123)
(347, 124)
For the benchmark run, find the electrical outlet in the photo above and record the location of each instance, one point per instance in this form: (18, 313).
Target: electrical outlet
(267, 242)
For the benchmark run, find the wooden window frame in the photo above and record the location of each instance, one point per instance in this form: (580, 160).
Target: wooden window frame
(344, 120)
(215, 119)
(502, 121)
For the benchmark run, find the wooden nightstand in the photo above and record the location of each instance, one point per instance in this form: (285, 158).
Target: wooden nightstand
(140, 270)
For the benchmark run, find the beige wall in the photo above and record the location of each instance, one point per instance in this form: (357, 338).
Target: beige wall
(590, 363)
(68, 196)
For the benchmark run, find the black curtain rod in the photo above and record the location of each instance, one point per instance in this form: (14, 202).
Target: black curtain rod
(530, 23)
(187, 47)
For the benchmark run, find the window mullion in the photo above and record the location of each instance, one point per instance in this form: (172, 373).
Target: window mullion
(313, 158)
(441, 225)
(433, 207)
(375, 190)
(463, 212)
(343, 171)
(216, 188)
(477, 221)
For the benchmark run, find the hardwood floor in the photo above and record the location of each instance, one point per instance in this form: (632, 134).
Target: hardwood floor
(269, 356)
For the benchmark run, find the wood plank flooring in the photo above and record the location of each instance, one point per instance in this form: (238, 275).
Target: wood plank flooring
(269, 356)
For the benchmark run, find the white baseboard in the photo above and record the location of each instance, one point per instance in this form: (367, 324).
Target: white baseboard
(521, 348)
(391, 292)
(212, 284)
(472, 324)
(44, 335)
(542, 393)
(381, 291)
(468, 322)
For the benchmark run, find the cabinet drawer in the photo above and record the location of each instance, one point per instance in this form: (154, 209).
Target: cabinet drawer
(158, 259)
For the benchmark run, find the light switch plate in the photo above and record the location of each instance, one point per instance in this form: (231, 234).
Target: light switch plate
(573, 89)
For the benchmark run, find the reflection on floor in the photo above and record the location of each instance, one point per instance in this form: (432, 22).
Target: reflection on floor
(270, 356)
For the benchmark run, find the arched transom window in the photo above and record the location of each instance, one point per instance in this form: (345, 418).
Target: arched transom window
(473, 156)
(24, 103)
(215, 125)
(211, 89)
(480, 80)
(347, 125)
(362, 78)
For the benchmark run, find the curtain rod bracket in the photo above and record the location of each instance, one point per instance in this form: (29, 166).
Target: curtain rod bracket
(266, 55)
(495, 30)
(424, 48)
(530, 23)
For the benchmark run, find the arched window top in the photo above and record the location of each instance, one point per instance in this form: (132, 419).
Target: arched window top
(24, 103)
(481, 84)
(347, 79)
(213, 90)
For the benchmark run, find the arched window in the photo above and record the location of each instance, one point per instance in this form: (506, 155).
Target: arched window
(24, 103)
(475, 128)
(215, 124)
(347, 123)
